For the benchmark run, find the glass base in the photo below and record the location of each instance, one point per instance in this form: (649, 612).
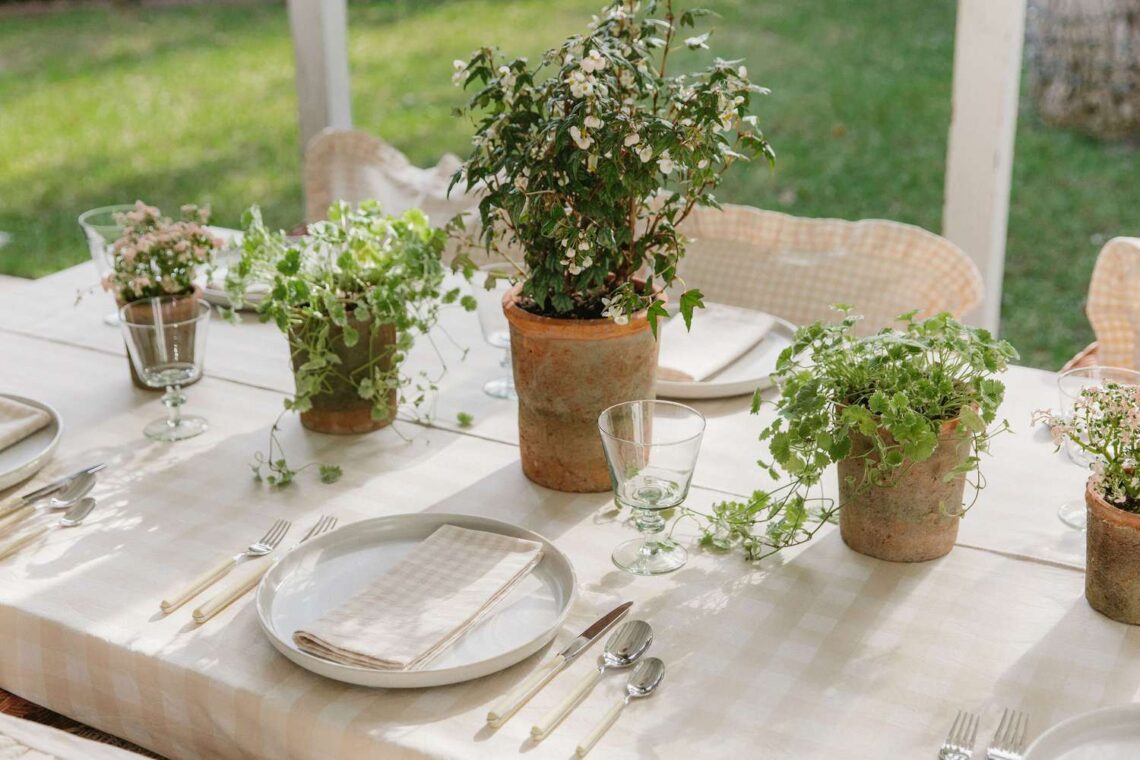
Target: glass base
(650, 557)
(501, 387)
(1074, 514)
(164, 430)
(111, 319)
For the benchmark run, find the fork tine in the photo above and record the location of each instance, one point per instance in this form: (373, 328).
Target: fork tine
(286, 525)
(973, 731)
(1003, 726)
(950, 737)
(269, 533)
(1019, 736)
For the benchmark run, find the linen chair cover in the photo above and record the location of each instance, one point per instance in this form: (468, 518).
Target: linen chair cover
(1114, 307)
(796, 268)
(349, 165)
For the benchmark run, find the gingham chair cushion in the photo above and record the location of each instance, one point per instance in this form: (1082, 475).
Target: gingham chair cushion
(796, 268)
(1114, 303)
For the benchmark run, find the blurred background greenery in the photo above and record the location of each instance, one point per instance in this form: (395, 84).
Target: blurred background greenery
(196, 103)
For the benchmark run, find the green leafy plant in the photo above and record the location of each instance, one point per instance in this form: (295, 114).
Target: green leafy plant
(1105, 423)
(898, 388)
(156, 256)
(362, 271)
(571, 156)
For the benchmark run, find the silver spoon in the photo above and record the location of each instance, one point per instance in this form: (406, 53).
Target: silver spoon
(75, 514)
(76, 488)
(623, 648)
(643, 681)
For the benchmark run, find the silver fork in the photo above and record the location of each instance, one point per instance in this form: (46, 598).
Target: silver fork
(261, 547)
(959, 744)
(1009, 739)
(323, 525)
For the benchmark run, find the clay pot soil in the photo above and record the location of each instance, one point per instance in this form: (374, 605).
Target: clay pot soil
(182, 310)
(340, 410)
(1112, 566)
(567, 372)
(915, 517)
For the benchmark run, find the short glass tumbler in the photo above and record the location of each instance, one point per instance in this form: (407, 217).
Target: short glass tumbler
(166, 338)
(651, 448)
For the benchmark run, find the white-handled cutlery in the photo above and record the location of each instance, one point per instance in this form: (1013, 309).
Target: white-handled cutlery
(60, 484)
(643, 681)
(510, 703)
(76, 514)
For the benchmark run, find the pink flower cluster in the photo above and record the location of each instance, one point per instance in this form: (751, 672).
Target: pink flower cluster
(156, 256)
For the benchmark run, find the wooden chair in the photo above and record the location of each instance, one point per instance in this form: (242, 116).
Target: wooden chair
(1113, 308)
(796, 267)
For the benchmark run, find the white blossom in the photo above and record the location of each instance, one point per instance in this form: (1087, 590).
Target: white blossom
(631, 139)
(593, 122)
(645, 154)
(460, 72)
(665, 163)
(583, 140)
(742, 72)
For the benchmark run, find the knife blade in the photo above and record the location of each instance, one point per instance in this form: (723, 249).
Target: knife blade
(54, 486)
(509, 704)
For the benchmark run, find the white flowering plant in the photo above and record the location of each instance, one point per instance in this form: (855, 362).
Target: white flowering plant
(589, 161)
(156, 256)
(1105, 423)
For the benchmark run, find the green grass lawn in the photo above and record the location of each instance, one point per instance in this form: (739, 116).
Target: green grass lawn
(196, 103)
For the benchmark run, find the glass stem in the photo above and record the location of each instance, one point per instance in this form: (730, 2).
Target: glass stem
(174, 398)
(506, 364)
(649, 523)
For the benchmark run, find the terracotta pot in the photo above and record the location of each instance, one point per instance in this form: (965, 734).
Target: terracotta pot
(188, 312)
(567, 371)
(340, 410)
(915, 516)
(1112, 567)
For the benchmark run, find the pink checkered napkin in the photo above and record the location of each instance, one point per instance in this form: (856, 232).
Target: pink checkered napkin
(425, 603)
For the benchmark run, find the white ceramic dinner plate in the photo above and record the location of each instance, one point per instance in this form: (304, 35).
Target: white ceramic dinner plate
(751, 371)
(25, 458)
(1111, 733)
(328, 570)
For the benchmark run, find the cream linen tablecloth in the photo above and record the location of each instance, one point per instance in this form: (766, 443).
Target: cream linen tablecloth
(822, 653)
(25, 740)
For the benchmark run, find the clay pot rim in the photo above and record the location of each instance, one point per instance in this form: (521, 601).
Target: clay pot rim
(1109, 512)
(194, 296)
(600, 328)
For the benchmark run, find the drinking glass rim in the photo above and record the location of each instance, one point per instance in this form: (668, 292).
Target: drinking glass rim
(204, 310)
(113, 208)
(697, 434)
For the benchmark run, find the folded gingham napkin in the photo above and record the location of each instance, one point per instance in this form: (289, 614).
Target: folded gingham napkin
(719, 336)
(425, 603)
(18, 421)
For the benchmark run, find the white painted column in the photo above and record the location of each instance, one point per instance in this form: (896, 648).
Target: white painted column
(979, 157)
(320, 46)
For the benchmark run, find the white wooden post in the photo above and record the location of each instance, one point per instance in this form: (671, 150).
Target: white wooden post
(320, 46)
(979, 157)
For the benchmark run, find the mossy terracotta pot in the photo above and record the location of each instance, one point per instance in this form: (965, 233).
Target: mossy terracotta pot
(1112, 566)
(912, 518)
(339, 409)
(187, 309)
(567, 371)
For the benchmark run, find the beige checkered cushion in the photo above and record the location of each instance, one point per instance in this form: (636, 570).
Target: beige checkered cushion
(1114, 303)
(796, 268)
(348, 165)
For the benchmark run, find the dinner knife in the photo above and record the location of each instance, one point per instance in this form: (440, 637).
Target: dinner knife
(521, 694)
(51, 488)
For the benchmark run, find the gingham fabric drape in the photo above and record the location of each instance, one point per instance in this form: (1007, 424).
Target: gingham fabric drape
(796, 268)
(1114, 303)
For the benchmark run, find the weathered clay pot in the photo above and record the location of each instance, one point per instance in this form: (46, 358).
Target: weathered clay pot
(567, 371)
(340, 410)
(182, 311)
(913, 518)
(1112, 567)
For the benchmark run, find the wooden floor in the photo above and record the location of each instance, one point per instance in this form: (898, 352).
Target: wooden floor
(12, 705)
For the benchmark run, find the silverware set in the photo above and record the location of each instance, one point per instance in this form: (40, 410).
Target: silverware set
(623, 649)
(1008, 743)
(68, 493)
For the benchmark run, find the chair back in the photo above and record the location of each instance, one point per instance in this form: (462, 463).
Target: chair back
(1114, 303)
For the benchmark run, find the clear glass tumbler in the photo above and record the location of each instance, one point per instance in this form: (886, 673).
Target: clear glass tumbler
(651, 448)
(101, 231)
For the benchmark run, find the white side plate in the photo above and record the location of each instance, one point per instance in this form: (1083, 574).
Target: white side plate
(1111, 733)
(214, 288)
(742, 377)
(24, 459)
(325, 572)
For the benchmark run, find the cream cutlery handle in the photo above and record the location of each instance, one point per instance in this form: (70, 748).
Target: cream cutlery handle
(606, 721)
(555, 716)
(17, 544)
(10, 519)
(197, 586)
(518, 696)
(243, 579)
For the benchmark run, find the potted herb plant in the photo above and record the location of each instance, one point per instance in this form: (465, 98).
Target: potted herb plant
(570, 157)
(156, 256)
(904, 415)
(1105, 423)
(350, 295)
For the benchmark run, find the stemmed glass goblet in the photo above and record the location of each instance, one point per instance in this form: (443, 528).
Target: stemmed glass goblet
(496, 331)
(101, 230)
(651, 448)
(166, 339)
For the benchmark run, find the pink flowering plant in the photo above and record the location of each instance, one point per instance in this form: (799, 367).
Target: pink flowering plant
(590, 160)
(156, 256)
(1105, 423)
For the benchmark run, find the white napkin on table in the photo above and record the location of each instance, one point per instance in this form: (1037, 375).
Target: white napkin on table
(425, 603)
(720, 335)
(18, 421)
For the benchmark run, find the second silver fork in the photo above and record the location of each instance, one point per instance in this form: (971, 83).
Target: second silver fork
(1009, 739)
(959, 744)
